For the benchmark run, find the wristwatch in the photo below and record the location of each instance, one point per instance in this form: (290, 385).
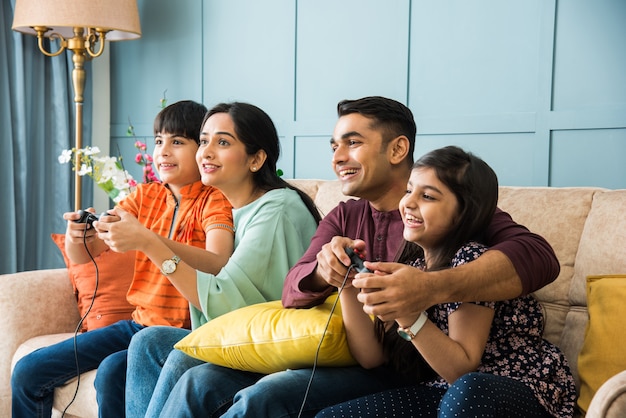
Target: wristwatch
(409, 333)
(169, 265)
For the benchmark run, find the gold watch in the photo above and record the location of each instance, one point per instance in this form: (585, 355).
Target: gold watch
(169, 265)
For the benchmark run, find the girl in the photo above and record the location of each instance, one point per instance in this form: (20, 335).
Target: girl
(274, 222)
(489, 358)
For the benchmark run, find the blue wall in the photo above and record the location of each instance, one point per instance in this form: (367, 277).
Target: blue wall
(535, 87)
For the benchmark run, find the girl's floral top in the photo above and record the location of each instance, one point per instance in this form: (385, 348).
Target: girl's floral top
(515, 347)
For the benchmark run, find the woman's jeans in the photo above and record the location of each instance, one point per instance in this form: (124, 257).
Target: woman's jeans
(36, 375)
(154, 367)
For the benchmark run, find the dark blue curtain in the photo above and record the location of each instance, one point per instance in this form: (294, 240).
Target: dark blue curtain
(36, 125)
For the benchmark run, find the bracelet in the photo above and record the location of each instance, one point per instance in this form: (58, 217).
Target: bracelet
(409, 333)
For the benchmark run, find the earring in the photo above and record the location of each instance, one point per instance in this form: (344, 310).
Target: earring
(253, 168)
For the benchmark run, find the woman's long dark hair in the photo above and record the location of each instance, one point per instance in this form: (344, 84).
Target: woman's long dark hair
(256, 131)
(475, 186)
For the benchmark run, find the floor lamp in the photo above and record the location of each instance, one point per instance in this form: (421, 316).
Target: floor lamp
(81, 26)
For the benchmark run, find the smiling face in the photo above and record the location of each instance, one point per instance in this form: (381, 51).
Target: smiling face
(360, 157)
(174, 159)
(429, 209)
(223, 160)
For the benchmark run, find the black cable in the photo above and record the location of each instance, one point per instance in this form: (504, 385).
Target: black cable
(319, 346)
(82, 319)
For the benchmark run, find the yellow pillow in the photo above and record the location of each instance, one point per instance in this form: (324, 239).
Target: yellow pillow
(603, 354)
(268, 338)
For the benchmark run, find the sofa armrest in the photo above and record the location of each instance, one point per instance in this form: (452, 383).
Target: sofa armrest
(32, 303)
(610, 400)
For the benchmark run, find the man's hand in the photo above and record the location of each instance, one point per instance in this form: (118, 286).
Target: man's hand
(394, 290)
(333, 262)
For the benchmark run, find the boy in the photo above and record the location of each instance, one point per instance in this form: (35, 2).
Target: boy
(193, 219)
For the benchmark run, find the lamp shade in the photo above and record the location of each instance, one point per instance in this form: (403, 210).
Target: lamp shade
(121, 17)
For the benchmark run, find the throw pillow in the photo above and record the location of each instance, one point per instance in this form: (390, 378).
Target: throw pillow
(115, 271)
(603, 354)
(267, 338)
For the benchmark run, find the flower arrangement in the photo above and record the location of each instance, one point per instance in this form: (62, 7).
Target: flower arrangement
(108, 172)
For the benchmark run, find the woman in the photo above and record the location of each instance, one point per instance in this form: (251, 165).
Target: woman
(274, 222)
(489, 358)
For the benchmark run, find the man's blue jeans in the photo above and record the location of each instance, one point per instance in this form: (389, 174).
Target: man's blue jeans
(36, 375)
(214, 391)
(154, 367)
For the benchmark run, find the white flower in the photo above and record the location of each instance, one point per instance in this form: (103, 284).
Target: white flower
(66, 156)
(90, 151)
(84, 169)
(108, 168)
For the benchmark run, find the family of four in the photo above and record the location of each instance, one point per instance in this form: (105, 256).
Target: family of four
(456, 330)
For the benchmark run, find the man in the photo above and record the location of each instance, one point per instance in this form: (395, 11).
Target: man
(373, 144)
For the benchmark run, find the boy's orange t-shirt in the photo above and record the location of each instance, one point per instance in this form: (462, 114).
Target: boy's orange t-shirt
(156, 300)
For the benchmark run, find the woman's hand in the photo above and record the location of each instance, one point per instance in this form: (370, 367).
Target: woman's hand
(122, 232)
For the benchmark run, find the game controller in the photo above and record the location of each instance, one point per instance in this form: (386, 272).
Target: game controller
(86, 217)
(357, 261)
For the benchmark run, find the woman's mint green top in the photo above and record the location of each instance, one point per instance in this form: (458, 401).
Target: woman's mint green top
(271, 234)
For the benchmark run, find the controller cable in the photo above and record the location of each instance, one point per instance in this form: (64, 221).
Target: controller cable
(319, 346)
(82, 319)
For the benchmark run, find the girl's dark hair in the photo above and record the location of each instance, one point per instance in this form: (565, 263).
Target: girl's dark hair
(256, 131)
(182, 118)
(391, 117)
(475, 186)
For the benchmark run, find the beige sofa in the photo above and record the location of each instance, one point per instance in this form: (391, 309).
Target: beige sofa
(586, 227)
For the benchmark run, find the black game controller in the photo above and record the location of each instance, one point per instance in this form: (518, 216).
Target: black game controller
(357, 261)
(86, 218)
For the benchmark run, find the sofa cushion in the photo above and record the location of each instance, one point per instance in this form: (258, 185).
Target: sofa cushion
(268, 338)
(84, 405)
(600, 252)
(115, 275)
(603, 354)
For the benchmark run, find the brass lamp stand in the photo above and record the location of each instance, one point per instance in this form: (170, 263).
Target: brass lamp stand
(80, 26)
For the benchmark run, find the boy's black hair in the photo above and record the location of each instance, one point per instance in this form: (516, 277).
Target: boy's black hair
(183, 118)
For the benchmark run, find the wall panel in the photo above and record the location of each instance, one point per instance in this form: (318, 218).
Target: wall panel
(349, 49)
(535, 87)
(249, 54)
(509, 154)
(589, 157)
(474, 57)
(313, 158)
(590, 55)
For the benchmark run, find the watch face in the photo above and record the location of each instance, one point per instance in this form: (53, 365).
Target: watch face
(168, 267)
(405, 335)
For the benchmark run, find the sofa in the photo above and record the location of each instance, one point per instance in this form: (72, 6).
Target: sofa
(586, 227)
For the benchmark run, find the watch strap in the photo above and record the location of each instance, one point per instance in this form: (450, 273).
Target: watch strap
(409, 333)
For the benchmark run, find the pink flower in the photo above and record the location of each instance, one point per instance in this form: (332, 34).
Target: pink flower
(140, 146)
